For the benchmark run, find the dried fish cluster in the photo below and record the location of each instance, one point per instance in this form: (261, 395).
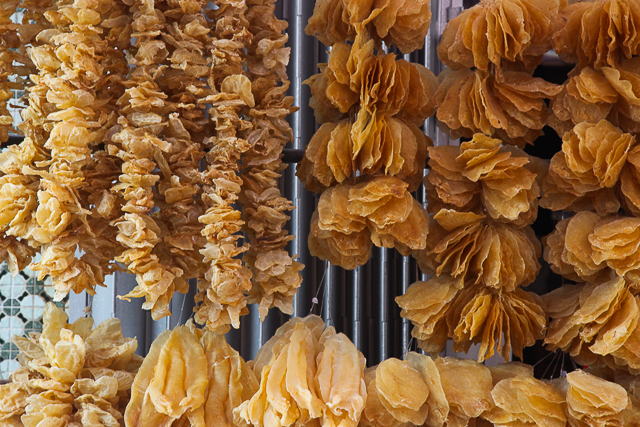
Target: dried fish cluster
(275, 274)
(115, 133)
(592, 94)
(71, 374)
(480, 249)
(221, 291)
(306, 374)
(492, 49)
(594, 171)
(369, 153)
(190, 377)
(595, 176)
(403, 23)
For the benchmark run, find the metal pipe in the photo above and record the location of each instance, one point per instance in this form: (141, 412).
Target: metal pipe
(301, 66)
(383, 309)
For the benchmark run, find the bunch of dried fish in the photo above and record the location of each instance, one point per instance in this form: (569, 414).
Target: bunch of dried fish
(377, 210)
(596, 323)
(275, 274)
(598, 32)
(71, 374)
(506, 34)
(178, 189)
(403, 23)
(509, 105)
(308, 374)
(590, 247)
(370, 152)
(139, 144)
(190, 377)
(593, 94)
(585, 175)
(508, 320)
(221, 292)
(8, 40)
(480, 176)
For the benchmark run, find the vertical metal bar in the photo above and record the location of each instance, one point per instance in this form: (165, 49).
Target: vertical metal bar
(405, 283)
(327, 297)
(357, 308)
(250, 334)
(383, 308)
(301, 66)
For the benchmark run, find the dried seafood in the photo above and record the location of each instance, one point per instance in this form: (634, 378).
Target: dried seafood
(501, 33)
(509, 105)
(476, 314)
(222, 290)
(588, 247)
(481, 175)
(275, 274)
(403, 23)
(473, 249)
(307, 374)
(585, 174)
(592, 401)
(591, 95)
(376, 210)
(595, 319)
(598, 33)
(71, 373)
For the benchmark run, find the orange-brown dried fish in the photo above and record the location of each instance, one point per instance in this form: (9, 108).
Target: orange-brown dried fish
(403, 23)
(597, 246)
(473, 249)
(602, 316)
(594, 94)
(467, 386)
(275, 274)
(509, 105)
(598, 33)
(504, 181)
(593, 401)
(221, 292)
(500, 33)
(527, 401)
(588, 168)
(393, 147)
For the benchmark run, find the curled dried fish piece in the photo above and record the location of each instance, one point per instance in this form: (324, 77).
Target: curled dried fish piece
(391, 146)
(588, 168)
(402, 23)
(598, 246)
(505, 181)
(500, 33)
(527, 401)
(171, 381)
(592, 401)
(509, 105)
(598, 33)
(474, 249)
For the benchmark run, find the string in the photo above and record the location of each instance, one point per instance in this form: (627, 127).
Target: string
(314, 300)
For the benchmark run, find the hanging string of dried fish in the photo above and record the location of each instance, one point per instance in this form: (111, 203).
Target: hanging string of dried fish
(179, 186)
(275, 276)
(221, 293)
(143, 118)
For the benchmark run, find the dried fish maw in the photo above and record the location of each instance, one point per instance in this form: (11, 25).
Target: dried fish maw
(525, 400)
(499, 33)
(592, 159)
(598, 33)
(340, 382)
(301, 371)
(480, 251)
(436, 401)
(149, 385)
(510, 106)
(467, 385)
(402, 391)
(593, 401)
